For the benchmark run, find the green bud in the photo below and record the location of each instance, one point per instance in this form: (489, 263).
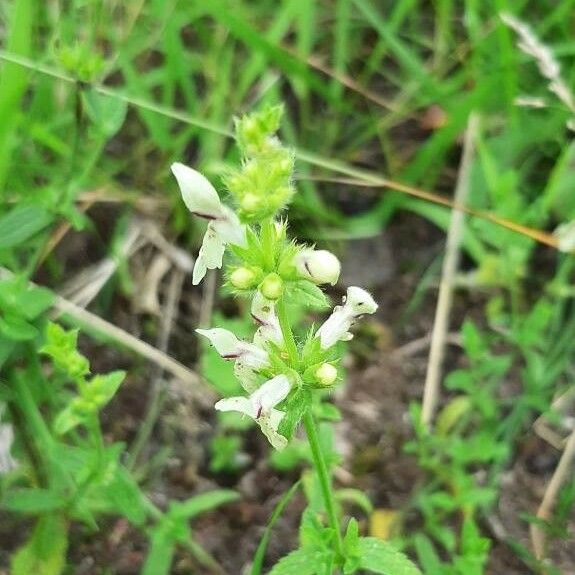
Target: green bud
(244, 278)
(326, 374)
(250, 203)
(272, 287)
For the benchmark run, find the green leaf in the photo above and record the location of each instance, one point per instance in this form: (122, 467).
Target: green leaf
(126, 497)
(102, 388)
(305, 561)
(33, 501)
(379, 556)
(45, 551)
(202, 503)
(15, 328)
(67, 420)
(21, 223)
(107, 113)
(161, 553)
(34, 301)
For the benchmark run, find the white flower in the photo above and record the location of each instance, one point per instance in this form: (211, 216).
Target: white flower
(230, 347)
(224, 225)
(319, 266)
(264, 313)
(260, 406)
(249, 357)
(336, 328)
(565, 234)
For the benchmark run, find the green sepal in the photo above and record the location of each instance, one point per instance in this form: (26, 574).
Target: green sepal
(308, 294)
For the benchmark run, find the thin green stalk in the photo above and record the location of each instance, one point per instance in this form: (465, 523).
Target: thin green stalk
(324, 478)
(311, 431)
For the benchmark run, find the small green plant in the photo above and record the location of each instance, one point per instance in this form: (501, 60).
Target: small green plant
(285, 377)
(65, 472)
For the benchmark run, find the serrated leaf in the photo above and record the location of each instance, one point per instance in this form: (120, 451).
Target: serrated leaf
(21, 223)
(379, 556)
(307, 561)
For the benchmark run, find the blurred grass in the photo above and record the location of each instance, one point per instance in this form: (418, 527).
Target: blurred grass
(359, 79)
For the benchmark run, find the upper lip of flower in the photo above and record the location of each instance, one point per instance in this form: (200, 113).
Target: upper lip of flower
(356, 303)
(224, 227)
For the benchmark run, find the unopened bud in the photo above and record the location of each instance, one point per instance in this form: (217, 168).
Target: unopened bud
(326, 374)
(244, 278)
(250, 203)
(272, 287)
(319, 266)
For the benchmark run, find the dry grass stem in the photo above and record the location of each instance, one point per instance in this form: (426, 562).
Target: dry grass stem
(450, 264)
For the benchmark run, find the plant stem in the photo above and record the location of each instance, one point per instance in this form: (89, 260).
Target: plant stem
(311, 432)
(324, 478)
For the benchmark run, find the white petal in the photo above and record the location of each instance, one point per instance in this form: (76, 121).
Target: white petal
(241, 404)
(225, 342)
(360, 301)
(229, 228)
(271, 393)
(263, 312)
(247, 376)
(269, 426)
(198, 194)
(335, 328)
(253, 355)
(210, 256)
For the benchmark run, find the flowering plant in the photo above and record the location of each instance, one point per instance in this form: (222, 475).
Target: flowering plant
(279, 374)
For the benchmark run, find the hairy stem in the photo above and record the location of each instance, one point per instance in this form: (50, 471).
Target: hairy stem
(324, 478)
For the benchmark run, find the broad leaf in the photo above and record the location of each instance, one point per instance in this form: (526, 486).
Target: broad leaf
(378, 556)
(305, 561)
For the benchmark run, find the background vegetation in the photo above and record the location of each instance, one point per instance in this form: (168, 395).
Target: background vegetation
(385, 102)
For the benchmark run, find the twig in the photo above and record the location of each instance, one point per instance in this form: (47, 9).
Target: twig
(91, 320)
(158, 393)
(550, 496)
(450, 263)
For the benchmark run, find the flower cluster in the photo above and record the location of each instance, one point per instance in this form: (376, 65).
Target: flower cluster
(271, 270)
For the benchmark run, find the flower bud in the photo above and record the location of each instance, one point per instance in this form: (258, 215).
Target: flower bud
(272, 287)
(250, 203)
(326, 374)
(244, 278)
(319, 266)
